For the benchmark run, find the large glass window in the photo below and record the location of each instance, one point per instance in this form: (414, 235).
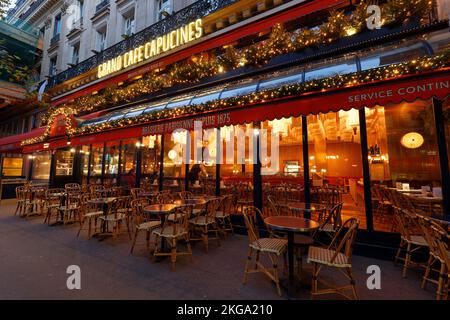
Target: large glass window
(335, 163)
(12, 166)
(96, 163)
(236, 170)
(150, 164)
(64, 162)
(128, 163)
(282, 160)
(111, 162)
(41, 166)
(85, 154)
(174, 166)
(403, 156)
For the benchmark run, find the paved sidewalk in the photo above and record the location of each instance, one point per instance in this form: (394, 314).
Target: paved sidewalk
(34, 258)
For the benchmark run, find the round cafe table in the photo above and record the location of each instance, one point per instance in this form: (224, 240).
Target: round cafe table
(291, 225)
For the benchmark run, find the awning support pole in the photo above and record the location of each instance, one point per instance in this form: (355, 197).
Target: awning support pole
(366, 169)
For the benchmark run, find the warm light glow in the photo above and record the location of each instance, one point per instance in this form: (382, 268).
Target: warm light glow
(350, 31)
(281, 126)
(172, 154)
(412, 140)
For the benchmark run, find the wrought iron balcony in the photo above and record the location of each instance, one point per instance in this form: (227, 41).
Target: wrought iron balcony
(196, 10)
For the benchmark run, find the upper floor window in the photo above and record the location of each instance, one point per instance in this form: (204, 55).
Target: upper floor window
(76, 53)
(101, 39)
(81, 8)
(52, 69)
(162, 9)
(57, 25)
(129, 23)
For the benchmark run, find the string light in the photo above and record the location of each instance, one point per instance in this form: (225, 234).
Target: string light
(204, 65)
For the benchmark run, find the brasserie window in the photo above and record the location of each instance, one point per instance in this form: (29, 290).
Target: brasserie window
(335, 163)
(128, 163)
(41, 166)
(150, 165)
(96, 163)
(64, 162)
(282, 160)
(403, 157)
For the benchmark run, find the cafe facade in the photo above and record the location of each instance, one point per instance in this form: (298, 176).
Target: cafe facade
(297, 96)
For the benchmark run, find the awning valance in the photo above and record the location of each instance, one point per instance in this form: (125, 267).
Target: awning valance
(382, 93)
(13, 143)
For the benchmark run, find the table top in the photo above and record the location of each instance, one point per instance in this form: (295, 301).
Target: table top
(196, 201)
(102, 200)
(293, 224)
(307, 207)
(159, 208)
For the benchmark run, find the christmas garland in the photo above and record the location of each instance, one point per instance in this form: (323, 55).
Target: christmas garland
(425, 64)
(383, 73)
(280, 42)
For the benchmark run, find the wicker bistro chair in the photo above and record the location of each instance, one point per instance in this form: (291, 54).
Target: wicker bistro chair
(443, 242)
(272, 247)
(223, 215)
(116, 216)
(142, 222)
(331, 223)
(69, 211)
(338, 256)
(412, 238)
(135, 193)
(164, 198)
(52, 203)
(91, 212)
(432, 232)
(203, 225)
(172, 232)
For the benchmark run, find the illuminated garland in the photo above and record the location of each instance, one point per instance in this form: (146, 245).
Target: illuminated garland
(383, 73)
(280, 42)
(70, 130)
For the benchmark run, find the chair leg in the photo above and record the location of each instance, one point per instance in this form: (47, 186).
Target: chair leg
(275, 273)
(427, 271)
(353, 283)
(440, 294)
(315, 274)
(407, 260)
(247, 265)
(173, 253)
(134, 241)
(147, 239)
(205, 238)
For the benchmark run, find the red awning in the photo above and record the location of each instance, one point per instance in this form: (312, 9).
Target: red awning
(221, 39)
(13, 143)
(381, 93)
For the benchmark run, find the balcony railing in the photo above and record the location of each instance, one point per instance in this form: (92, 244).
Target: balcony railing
(54, 40)
(101, 6)
(32, 8)
(196, 10)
